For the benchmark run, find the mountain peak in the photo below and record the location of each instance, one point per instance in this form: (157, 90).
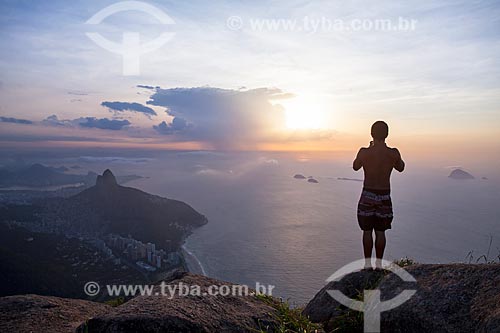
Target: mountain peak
(107, 179)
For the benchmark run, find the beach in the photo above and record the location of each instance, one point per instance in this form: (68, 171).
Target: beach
(193, 265)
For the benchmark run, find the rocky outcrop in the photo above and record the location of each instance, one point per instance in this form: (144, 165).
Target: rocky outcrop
(460, 174)
(324, 309)
(34, 313)
(107, 179)
(196, 311)
(449, 298)
(191, 313)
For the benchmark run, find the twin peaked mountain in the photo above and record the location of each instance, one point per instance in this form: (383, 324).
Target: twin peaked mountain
(111, 208)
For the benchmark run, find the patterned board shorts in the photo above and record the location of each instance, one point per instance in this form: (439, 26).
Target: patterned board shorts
(375, 210)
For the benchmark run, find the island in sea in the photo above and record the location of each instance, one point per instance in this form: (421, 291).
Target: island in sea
(310, 179)
(106, 233)
(460, 174)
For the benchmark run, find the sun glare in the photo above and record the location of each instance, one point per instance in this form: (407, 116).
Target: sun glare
(305, 113)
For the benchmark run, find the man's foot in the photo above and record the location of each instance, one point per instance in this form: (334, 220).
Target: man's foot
(368, 264)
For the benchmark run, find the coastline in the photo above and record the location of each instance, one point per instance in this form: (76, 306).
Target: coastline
(191, 262)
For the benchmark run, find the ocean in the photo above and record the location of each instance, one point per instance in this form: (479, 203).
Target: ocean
(267, 227)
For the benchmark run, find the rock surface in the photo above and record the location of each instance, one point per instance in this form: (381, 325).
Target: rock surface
(299, 176)
(449, 298)
(190, 313)
(34, 313)
(460, 174)
(107, 179)
(324, 309)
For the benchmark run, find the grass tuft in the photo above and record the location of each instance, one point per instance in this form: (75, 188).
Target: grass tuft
(291, 320)
(485, 258)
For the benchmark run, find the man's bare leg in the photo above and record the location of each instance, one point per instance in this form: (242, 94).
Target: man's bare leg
(379, 247)
(367, 248)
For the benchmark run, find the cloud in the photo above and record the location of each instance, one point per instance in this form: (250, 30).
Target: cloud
(87, 122)
(53, 120)
(132, 107)
(15, 120)
(114, 159)
(225, 118)
(33, 137)
(146, 87)
(212, 172)
(310, 135)
(177, 125)
(77, 93)
(104, 123)
(242, 170)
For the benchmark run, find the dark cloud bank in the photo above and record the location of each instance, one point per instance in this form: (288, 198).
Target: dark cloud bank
(15, 120)
(222, 117)
(87, 122)
(131, 107)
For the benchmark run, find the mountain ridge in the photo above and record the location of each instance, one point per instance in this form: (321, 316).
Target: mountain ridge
(449, 298)
(129, 211)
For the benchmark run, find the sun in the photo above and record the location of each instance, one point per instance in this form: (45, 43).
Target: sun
(305, 113)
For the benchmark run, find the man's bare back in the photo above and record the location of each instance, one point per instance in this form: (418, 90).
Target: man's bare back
(377, 162)
(375, 205)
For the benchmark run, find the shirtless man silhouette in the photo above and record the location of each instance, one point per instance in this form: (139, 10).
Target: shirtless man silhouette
(375, 205)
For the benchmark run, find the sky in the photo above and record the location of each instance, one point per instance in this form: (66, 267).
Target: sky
(252, 75)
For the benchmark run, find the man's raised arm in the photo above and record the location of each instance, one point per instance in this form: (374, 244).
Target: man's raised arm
(358, 162)
(400, 164)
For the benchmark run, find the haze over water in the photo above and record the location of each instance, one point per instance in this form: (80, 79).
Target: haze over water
(265, 226)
